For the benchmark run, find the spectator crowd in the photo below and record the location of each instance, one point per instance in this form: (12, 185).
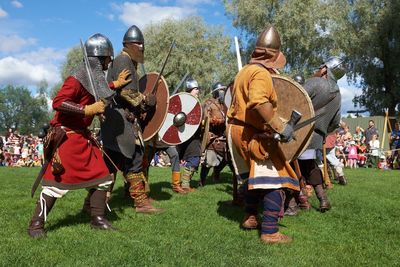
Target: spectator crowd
(20, 150)
(362, 148)
(358, 149)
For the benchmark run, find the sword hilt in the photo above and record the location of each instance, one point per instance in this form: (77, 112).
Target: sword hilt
(294, 119)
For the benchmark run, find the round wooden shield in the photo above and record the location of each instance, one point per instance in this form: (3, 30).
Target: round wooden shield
(154, 118)
(292, 96)
(183, 119)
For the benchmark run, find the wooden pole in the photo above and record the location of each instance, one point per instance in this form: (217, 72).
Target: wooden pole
(384, 127)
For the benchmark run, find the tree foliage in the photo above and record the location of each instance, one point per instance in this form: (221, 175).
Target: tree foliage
(302, 25)
(369, 34)
(19, 110)
(201, 49)
(366, 31)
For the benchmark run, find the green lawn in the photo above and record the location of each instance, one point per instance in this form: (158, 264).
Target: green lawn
(198, 229)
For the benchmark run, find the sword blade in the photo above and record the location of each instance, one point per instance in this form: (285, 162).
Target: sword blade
(180, 83)
(155, 86)
(307, 122)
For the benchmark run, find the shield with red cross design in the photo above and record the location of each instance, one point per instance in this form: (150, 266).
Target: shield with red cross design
(183, 119)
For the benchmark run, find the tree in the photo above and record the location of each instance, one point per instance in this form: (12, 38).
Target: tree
(201, 49)
(369, 34)
(302, 25)
(19, 110)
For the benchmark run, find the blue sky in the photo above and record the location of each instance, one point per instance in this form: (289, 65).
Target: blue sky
(35, 36)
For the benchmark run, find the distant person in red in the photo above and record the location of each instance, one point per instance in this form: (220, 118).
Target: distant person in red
(77, 161)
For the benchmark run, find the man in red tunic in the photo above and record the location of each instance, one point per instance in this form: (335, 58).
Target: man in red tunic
(77, 161)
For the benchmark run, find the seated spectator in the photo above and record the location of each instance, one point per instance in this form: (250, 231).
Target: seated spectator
(358, 135)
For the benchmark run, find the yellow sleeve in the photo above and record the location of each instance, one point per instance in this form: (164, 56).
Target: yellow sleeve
(260, 88)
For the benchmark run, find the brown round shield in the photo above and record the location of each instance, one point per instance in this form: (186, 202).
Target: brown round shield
(154, 118)
(292, 96)
(183, 119)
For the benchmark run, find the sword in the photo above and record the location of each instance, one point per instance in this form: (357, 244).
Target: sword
(155, 86)
(294, 118)
(180, 83)
(89, 72)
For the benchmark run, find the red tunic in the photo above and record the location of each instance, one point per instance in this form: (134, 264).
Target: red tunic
(82, 159)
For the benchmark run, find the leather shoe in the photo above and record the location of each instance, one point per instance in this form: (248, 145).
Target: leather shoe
(101, 223)
(36, 229)
(250, 222)
(275, 238)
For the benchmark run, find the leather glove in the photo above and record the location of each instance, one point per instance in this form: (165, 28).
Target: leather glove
(287, 133)
(122, 79)
(94, 109)
(150, 100)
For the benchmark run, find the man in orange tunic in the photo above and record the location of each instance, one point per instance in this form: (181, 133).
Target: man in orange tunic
(257, 160)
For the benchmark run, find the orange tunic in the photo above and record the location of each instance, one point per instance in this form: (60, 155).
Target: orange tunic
(253, 86)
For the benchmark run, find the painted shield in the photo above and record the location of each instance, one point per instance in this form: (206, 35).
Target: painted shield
(154, 118)
(183, 119)
(292, 96)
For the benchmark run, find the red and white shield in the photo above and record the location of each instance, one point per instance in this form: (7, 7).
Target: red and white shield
(183, 119)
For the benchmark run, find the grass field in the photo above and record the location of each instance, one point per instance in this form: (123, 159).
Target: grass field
(362, 229)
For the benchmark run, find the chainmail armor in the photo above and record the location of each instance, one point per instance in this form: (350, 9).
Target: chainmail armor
(325, 97)
(100, 83)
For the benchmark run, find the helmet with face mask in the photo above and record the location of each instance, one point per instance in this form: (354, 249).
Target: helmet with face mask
(134, 35)
(218, 91)
(336, 66)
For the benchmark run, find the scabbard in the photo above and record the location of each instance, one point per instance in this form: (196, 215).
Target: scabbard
(39, 178)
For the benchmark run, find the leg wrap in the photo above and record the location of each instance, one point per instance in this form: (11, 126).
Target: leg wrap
(98, 202)
(273, 205)
(187, 176)
(137, 187)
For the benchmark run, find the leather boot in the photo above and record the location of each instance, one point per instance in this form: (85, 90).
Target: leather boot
(203, 175)
(186, 177)
(324, 204)
(176, 183)
(342, 180)
(276, 238)
(43, 207)
(86, 203)
(137, 192)
(97, 209)
(303, 202)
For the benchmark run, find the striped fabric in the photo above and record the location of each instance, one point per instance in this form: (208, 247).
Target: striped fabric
(272, 173)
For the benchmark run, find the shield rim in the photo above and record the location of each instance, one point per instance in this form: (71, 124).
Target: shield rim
(165, 113)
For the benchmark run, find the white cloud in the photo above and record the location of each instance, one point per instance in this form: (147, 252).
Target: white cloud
(17, 4)
(143, 13)
(14, 43)
(194, 2)
(21, 72)
(348, 91)
(44, 56)
(3, 14)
